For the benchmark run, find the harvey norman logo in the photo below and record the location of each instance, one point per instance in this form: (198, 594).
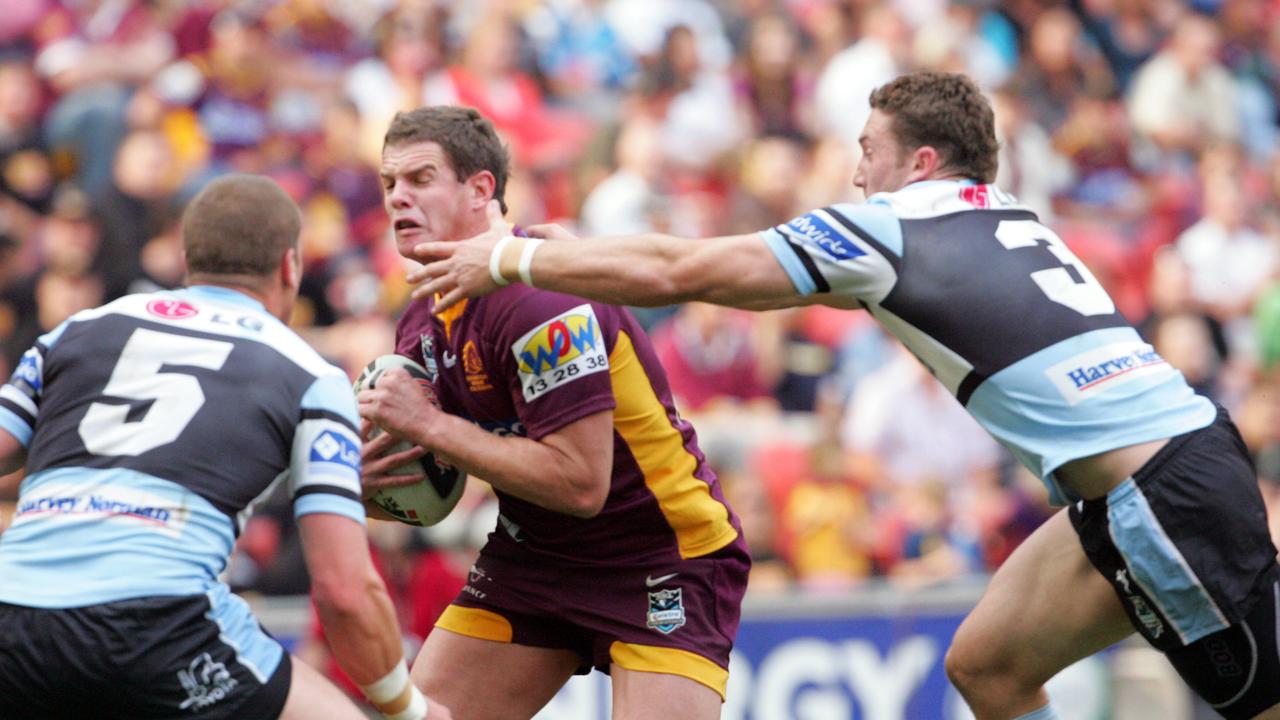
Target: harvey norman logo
(76, 502)
(817, 228)
(1085, 375)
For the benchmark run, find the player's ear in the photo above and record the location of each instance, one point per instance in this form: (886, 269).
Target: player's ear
(291, 268)
(482, 186)
(925, 161)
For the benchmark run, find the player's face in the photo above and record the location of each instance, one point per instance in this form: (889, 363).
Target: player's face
(884, 166)
(422, 195)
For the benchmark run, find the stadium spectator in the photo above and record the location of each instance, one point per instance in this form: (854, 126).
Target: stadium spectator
(1229, 261)
(1183, 98)
(881, 431)
(847, 80)
(712, 358)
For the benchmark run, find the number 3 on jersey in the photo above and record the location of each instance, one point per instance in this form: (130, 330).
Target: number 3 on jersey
(175, 396)
(1086, 296)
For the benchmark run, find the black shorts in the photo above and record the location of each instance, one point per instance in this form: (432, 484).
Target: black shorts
(159, 657)
(1185, 545)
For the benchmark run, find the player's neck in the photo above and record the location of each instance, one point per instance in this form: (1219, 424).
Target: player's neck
(943, 174)
(249, 285)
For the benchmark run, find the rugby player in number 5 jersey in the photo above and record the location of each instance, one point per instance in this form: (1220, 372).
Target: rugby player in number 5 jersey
(148, 428)
(1165, 532)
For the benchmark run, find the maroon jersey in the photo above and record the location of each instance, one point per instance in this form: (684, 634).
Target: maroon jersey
(528, 362)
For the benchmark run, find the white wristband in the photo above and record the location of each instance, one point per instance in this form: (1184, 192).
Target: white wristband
(390, 686)
(417, 709)
(495, 261)
(526, 260)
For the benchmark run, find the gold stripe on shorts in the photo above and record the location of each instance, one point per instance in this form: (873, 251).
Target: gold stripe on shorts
(476, 623)
(671, 661)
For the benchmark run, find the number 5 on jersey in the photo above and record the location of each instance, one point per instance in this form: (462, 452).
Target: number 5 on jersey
(176, 396)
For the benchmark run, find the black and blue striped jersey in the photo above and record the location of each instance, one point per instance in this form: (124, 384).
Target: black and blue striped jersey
(1002, 313)
(152, 425)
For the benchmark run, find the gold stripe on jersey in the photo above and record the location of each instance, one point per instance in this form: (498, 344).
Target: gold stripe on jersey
(670, 661)
(700, 521)
(450, 316)
(476, 623)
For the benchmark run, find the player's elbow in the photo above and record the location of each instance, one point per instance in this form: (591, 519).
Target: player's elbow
(339, 600)
(587, 498)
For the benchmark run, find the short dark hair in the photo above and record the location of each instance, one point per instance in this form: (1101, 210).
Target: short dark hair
(467, 138)
(945, 111)
(239, 225)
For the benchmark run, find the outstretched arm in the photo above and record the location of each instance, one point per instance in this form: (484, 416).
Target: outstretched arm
(654, 269)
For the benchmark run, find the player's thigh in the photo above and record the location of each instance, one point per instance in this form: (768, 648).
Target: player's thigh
(1045, 608)
(488, 679)
(311, 695)
(641, 695)
(1272, 714)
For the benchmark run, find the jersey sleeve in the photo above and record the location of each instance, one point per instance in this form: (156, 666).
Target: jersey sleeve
(555, 359)
(20, 396)
(853, 250)
(325, 468)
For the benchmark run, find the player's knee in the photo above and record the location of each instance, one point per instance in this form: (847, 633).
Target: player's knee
(978, 668)
(966, 667)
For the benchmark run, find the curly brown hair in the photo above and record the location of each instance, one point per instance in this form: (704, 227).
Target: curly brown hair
(467, 138)
(947, 112)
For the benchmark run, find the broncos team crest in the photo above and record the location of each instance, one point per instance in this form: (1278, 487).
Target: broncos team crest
(666, 610)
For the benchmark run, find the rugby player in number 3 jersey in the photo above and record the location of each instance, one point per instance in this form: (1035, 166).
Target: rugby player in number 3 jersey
(1165, 532)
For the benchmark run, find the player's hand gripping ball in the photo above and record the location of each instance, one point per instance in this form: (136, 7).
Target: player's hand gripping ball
(427, 502)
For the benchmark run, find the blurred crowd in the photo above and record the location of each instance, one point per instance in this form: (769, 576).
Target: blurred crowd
(1143, 131)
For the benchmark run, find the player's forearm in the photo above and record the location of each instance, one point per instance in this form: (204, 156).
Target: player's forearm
(634, 270)
(528, 469)
(658, 269)
(351, 599)
(360, 624)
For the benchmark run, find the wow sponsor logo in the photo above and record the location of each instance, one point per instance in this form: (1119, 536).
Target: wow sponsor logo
(816, 228)
(335, 448)
(1090, 373)
(566, 347)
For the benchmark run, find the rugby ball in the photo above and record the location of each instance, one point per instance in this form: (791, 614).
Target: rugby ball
(428, 502)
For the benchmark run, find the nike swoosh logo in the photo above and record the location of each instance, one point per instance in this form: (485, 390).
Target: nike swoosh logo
(651, 581)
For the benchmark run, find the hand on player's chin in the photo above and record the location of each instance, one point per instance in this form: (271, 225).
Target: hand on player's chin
(458, 270)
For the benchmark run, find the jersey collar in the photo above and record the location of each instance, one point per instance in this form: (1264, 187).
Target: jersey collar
(222, 295)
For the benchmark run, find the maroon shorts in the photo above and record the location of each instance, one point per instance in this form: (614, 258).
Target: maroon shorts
(678, 617)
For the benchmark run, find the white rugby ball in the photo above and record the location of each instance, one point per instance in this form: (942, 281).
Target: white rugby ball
(427, 502)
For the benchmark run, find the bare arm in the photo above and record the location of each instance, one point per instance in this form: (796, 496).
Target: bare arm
(567, 471)
(358, 616)
(351, 599)
(737, 270)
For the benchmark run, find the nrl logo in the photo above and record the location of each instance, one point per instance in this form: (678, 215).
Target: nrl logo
(666, 610)
(429, 356)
